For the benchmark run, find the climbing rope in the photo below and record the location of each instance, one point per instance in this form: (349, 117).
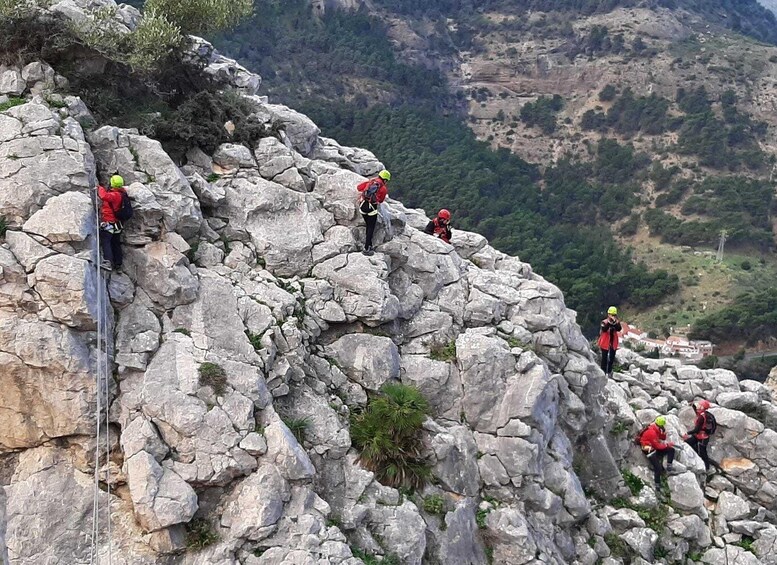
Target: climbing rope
(103, 387)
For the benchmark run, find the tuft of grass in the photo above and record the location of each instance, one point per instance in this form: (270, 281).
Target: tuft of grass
(213, 177)
(255, 339)
(434, 504)
(297, 427)
(183, 331)
(634, 483)
(11, 103)
(746, 543)
(443, 351)
(388, 435)
(214, 376)
(618, 547)
(618, 428)
(3, 227)
(370, 559)
(199, 534)
(480, 518)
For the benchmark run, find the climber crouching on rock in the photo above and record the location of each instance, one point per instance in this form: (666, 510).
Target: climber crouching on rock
(655, 447)
(373, 193)
(115, 209)
(440, 226)
(699, 437)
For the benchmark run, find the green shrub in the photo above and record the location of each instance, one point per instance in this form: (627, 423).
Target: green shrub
(297, 427)
(154, 40)
(213, 375)
(443, 352)
(608, 93)
(3, 227)
(746, 543)
(183, 331)
(634, 483)
(618, 547)
(11, 102)
(202, 17)
(213, 177)
(618, 428)
(370, 559)
(480, 518)
(434, 504)
(199, 534)
(388, 435)
(199, 121)
(255, 339)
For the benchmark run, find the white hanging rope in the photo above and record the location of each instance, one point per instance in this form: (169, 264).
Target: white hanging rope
(103, 387)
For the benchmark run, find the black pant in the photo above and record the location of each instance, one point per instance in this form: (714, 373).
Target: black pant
(700, 447)
(655, 461)
(608, 359)
(110, 243)
(371, 222)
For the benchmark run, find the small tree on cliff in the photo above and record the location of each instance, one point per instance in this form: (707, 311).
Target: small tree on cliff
(202, 16)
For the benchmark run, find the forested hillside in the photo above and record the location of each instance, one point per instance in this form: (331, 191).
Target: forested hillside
(566, 183)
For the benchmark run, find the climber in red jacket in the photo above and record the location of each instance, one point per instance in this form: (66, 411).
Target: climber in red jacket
(373, 192)
(655, 447)
(699, 437)
(608, 339)
(440, 226)
(110, 226)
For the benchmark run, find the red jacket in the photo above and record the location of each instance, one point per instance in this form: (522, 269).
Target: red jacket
(654, 437)
(608, 334)
(111, 202)
(382, 191)
(699, 430)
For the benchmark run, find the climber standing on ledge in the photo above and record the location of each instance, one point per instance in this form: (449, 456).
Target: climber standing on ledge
(115, 209)
(440, 226)
(373, 192)
(608, 339)
(699, 437)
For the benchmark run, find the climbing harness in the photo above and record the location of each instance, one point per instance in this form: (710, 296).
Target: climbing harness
(103, 387)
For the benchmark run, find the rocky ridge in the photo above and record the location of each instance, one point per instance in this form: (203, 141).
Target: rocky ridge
(245, 305)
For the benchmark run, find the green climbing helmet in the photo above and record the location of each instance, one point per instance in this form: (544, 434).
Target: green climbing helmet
(612, 310)
(661, 421)
(385, 175)
(117, 181)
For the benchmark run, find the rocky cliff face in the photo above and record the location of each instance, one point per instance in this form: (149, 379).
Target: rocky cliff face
(244, 305)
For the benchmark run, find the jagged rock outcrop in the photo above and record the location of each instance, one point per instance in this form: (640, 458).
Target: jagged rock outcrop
(246, 329)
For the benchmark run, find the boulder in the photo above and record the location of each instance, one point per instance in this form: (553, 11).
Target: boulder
(67, 288)
(67, 218)
(360, 287)
(159, 496)
(732, 507)
(366, 359)
(163, 273)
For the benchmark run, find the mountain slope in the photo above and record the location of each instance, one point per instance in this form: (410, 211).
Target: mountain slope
(504, 65)
(210, 399)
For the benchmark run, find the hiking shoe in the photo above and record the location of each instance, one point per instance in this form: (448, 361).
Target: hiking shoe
(369, 252)
(106, 266)
(670, 469)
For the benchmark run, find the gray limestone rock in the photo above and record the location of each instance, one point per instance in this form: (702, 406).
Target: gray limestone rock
(366, 359)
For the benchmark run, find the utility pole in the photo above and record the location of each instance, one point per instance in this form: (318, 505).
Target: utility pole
(721, 246)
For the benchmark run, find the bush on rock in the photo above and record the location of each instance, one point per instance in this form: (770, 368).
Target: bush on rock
(388, 434)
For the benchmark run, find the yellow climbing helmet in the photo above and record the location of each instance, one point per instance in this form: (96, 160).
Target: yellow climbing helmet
(117, 181)
(661, 421)
(612, 310)
(385, 175)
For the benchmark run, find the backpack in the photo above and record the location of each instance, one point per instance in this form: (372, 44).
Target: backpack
(710, 423)
(125, 211)
(638, 437)
(371, 193)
